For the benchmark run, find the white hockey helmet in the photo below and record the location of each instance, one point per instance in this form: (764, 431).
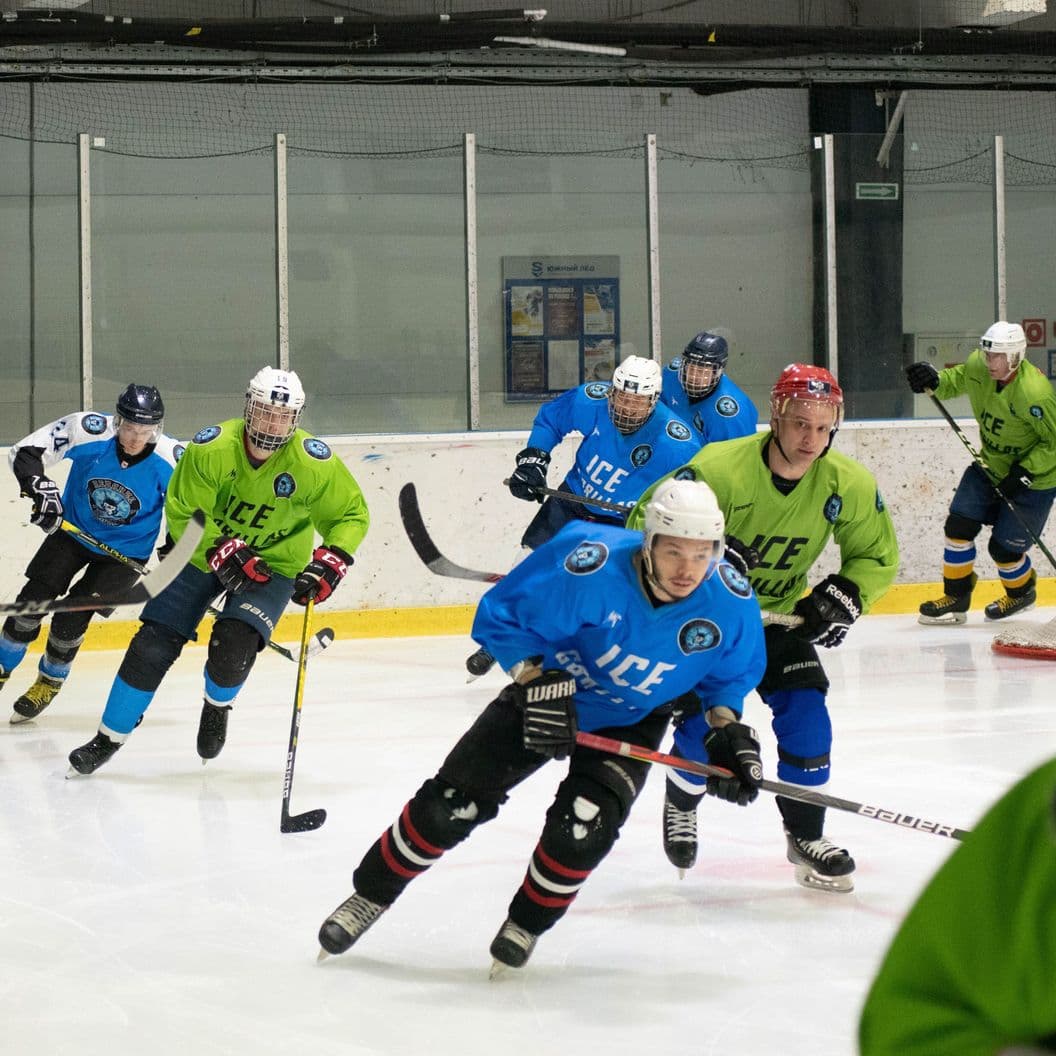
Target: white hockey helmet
(686, 509)
(636, 385)
(274, 401)
(1007, 339)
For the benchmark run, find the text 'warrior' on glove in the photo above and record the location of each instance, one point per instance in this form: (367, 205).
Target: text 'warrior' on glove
(320, 577)
(736, 748)
(828, 611)
(530, 474)
(549, 713)
(237, 566)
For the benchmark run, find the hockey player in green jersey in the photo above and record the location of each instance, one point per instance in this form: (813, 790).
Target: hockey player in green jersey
(785, 493)
(267, 487)
(1014, 405)
(971, 970)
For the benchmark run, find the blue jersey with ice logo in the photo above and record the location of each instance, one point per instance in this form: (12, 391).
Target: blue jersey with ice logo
(577, 602)
(611, 465)
(121, 505)
(724, 414)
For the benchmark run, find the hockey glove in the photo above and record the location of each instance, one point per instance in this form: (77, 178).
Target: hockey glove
(163, 550)
(735, 747)
(828, 611)
(530, 474)
(1017, 480)
(922, 377)
(47, 504)
(236, 565)
(684, 708)
(549, 713)
(321, 575)
(742, 556)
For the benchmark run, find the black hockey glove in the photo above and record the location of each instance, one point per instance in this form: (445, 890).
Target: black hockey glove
(742, 556)
(47, 503)
(828, 611)
(922, 377)
(549, 713)
(236, 565)
(685, 707)
(320, 577)
(735, 747)
(165, 548)
(530, 474)
(1017, 480)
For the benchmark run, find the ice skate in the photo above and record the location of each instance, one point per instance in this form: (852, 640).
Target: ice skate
(511, 948)
(35, 699)
(952, 608)
(89, 757)
(680, 836)
(820, 864)
(479, 663)
(346, 924)
(212, 730)
(1023, 599)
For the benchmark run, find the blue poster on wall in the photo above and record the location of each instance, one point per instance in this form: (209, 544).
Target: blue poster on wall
(562, 323)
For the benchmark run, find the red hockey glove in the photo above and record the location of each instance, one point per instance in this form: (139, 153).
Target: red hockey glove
(320, 577)
(237, 566)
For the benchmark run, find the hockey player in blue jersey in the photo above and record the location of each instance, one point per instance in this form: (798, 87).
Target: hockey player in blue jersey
(698, 390)
(115, 491)
(602, 629)
(629, 441)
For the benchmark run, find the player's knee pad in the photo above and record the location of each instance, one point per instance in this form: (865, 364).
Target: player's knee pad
(444, 816)
(582, 823)
(804, 735)
(959, 527)
(1001, 553)
(233, 647)
(25, 629)
(151, 653)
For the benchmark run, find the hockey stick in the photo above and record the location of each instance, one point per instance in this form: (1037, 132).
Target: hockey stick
(147, 588)
(978, 459)
(571, 496)
(320, 640)
(310, 819)
(778, 788)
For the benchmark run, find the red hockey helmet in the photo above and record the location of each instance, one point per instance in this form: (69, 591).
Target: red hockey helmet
(802, 381)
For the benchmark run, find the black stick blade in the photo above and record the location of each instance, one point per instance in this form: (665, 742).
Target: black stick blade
(306, 822)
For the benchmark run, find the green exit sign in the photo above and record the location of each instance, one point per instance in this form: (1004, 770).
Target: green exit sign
(887, 191)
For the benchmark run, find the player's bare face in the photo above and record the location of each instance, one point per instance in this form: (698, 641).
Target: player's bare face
(681, 565)
(997, 365)
(803, 433)
(133, 438)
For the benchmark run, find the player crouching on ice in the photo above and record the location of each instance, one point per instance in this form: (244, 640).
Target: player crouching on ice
(602, 629)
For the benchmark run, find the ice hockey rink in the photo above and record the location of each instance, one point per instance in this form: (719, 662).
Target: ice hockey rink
(156, 908)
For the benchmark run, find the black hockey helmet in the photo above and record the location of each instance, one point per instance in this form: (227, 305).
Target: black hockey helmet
(141, 404)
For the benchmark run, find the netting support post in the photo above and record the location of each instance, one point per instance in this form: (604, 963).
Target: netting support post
(1000, 275)
(831, 313)
(84, 238)
(652, 208)
(282, 254)
(469, 191)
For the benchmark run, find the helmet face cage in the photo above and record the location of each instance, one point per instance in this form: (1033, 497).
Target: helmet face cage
(685, 509)
(636, 385)
(1007, 339)
(142, 406)
(705, 350)
(801, 381)
(274, 401)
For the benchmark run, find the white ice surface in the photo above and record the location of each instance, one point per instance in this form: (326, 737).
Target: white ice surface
(156, 909)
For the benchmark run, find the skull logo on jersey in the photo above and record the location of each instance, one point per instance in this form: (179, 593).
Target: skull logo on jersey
(203, 436)
(112, 503)
(316, 448)
(727, 406)
(586, 558)
(597, 390)
(640, 455)
(698, 636)
(284, 486)
(94, 424)
(833, 506)
(735, 582)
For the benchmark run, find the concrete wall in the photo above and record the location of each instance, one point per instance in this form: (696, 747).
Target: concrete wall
(476, 522)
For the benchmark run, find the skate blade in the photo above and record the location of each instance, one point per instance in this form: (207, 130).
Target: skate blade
(950, 619)
(322, 956)
(812, 881)
(17, 720)
(73, 772)
(501, 971)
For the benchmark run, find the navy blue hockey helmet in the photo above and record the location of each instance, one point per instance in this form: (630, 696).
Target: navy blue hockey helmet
(706, 350)
(140, 405)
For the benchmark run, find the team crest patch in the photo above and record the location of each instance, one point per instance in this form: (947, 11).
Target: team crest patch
(284, 485)
(678, 430)
(94, 424)
(1035, 411)
(727, 406)
(698, 636)
(586, 558)
(640, 455)
(177, 452)
(879, 502)
(833, 505)
(735, 582)
(675, 364)
(597, 390)
(685, 473)
(316, 448)
(204, 436)
(112, 503)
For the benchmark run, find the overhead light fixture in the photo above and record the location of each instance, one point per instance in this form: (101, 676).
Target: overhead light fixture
(563, 45)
